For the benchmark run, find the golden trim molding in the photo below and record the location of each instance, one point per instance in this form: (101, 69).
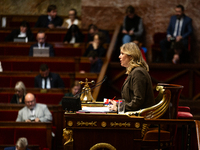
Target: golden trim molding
(82, 123)
(120, 124)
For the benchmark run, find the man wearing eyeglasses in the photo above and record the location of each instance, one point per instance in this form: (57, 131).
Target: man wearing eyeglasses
(34, 112)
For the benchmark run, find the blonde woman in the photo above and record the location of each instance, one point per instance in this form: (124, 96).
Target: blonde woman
(137, 89)
(20, 92)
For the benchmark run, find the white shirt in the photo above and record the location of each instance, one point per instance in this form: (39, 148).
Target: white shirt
(39, 45)
(70, 23)
(48, 83)
(73, 40)
(176, 27)
(22, 34)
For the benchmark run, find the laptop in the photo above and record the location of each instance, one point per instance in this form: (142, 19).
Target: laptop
(41, 52)
(20, 39)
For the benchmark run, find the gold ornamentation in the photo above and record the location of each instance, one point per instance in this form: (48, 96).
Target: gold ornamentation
(103, 124)
(120, 124)
(155, 111)
(137, 124)
(70, 123)
(102, 146)
(82, 123)
(86, 95)
(67, 136)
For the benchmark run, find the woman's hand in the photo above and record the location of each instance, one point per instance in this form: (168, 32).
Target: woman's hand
(113, 106)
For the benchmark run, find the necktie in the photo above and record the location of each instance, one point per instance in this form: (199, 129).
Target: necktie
(177, 32)
(45, 85)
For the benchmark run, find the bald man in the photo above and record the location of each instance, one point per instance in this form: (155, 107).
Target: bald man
(33, 112)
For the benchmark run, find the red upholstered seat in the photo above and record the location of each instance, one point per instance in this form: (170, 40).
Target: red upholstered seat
(7, 136)
(5, 82)
(184, 115)
(8, 115)
(184, 108)
(5, 97)
(49, 98)
(34, 136)
(184, 112)
(28, 81)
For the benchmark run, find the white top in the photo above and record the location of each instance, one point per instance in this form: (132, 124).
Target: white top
(22, 34)
(70, 23)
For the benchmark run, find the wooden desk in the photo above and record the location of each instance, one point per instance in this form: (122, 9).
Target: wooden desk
(11, 131)
(88, 129)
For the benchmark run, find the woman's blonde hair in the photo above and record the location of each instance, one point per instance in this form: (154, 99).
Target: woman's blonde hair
(132, 50)
(20, 86)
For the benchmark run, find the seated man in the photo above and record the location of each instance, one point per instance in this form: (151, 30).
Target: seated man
(179, 29)
(47, 80)
(33, 112)
(51, 20)
(41, 38)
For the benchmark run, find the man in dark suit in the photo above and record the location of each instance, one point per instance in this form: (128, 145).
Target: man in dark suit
(47, 80)
(179, 29)
(51, 20)
(21, 144)
(41, 38)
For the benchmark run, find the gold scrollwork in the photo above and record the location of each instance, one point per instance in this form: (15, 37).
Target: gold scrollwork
(67, 136)
(103, 124)
(120, 124)
(82, 123)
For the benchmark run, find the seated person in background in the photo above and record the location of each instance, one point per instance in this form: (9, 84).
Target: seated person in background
(48, 80)
(180, 54)
(96, 46)
(72, 19)
(23, 32)
(139, 44)
(41, 38)
(132, 25)
(33, 112)
(179, 29)
(75, 88)
(92, 30)
(21, 144)
(51, 20)
(20, 89)
(96, 62)
(73, 35)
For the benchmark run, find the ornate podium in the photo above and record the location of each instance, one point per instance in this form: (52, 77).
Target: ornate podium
(91, 131)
